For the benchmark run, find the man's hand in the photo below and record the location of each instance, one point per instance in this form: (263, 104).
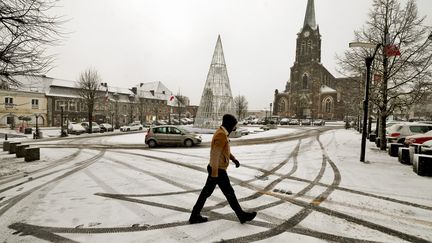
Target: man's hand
(236, 162)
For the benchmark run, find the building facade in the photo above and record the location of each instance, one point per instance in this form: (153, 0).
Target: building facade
(51, 99)
(312, 91)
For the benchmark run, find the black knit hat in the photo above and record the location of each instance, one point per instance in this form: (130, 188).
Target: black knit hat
(229, 121)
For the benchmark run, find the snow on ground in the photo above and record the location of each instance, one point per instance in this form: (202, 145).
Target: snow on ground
(156, 188)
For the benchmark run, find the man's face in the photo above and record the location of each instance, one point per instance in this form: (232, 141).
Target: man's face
(231, 129)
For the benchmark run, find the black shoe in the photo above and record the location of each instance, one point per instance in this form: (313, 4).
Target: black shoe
(247, 217)
(196, 219)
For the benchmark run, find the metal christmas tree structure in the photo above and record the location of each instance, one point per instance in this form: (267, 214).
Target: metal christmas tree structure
(216, 99)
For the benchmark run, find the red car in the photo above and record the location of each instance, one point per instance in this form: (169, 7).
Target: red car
(418, 138)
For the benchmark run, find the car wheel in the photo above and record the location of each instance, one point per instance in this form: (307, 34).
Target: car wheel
(140, 128)
(152, 143)
(188, 143)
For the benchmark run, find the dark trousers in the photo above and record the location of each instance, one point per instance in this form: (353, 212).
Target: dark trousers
(224, 184)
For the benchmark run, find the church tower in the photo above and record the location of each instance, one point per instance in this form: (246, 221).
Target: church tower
(306, 77)
(312, 91)
(308, 48)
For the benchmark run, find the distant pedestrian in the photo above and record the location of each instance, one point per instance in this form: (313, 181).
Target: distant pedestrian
(220, 155)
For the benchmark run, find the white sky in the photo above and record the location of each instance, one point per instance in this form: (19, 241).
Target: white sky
(172, 41)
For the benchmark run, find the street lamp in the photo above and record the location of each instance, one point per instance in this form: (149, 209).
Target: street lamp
(62, 132)
(37, 126)
(271, 113)
(368, 61)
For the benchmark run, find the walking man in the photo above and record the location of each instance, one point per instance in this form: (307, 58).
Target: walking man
(220, 155)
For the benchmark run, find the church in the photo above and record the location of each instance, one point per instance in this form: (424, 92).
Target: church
(312, 91)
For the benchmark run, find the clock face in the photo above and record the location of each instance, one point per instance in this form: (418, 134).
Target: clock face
(306, 34)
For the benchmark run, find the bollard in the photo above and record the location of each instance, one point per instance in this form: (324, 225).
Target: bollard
(394, 148)
(6, 145)
(12, 148)
(404, 156)
(6, 136)
(422, 164)
(20, 150)
(31, 154)
(372, 137)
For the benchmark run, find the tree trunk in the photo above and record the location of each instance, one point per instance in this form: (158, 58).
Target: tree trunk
(90, 118)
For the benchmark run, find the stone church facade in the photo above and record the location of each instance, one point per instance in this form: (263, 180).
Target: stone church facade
(312, 91)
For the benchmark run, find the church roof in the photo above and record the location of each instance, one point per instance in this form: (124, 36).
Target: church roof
(310, 15)
(326, 89)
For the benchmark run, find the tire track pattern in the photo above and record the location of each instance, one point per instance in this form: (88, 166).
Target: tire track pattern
(289, 225)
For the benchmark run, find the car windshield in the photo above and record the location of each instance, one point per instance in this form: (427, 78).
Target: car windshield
(183, 130)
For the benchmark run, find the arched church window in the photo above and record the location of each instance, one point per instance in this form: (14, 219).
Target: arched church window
(309, 47)
(305, 81)
(328, 104)
(303, 47)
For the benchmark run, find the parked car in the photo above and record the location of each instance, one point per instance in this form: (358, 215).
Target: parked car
(95, 127)
(318, 122)
(418, 138)
(167, 135)
(134, 126)
(284, 121)
(75, 128)
(293, 122)
(305, 122)
(160, 122)
(184, 121)
(398, 132)
(426, 147)
(106, 127)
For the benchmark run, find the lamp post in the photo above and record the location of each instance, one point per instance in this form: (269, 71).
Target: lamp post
(62, 131)
(368, 61)
(116, 98)
(271, 113)
(37, 126)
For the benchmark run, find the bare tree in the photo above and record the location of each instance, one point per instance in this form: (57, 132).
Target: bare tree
(181, 104)
(26, 30)
(241, 106)
(89, 91)
(403, 61)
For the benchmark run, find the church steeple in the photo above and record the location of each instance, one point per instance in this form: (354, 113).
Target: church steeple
(309, 39)
(310, 15)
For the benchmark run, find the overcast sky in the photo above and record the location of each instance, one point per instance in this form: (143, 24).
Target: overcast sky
(172, 41)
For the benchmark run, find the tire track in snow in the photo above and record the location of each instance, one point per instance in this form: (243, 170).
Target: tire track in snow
(29, 174)
(14, 200)
(316, 234)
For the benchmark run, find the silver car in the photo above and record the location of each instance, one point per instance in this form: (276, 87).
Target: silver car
(168, 135)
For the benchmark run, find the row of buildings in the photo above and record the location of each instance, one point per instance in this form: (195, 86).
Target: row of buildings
(48, 100)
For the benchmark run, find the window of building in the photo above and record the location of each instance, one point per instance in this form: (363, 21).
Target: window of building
(72, 106)
(8, 101)
(59, 104)
(35, 103)
(305, 81)
(328, 105)
(303, 47)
